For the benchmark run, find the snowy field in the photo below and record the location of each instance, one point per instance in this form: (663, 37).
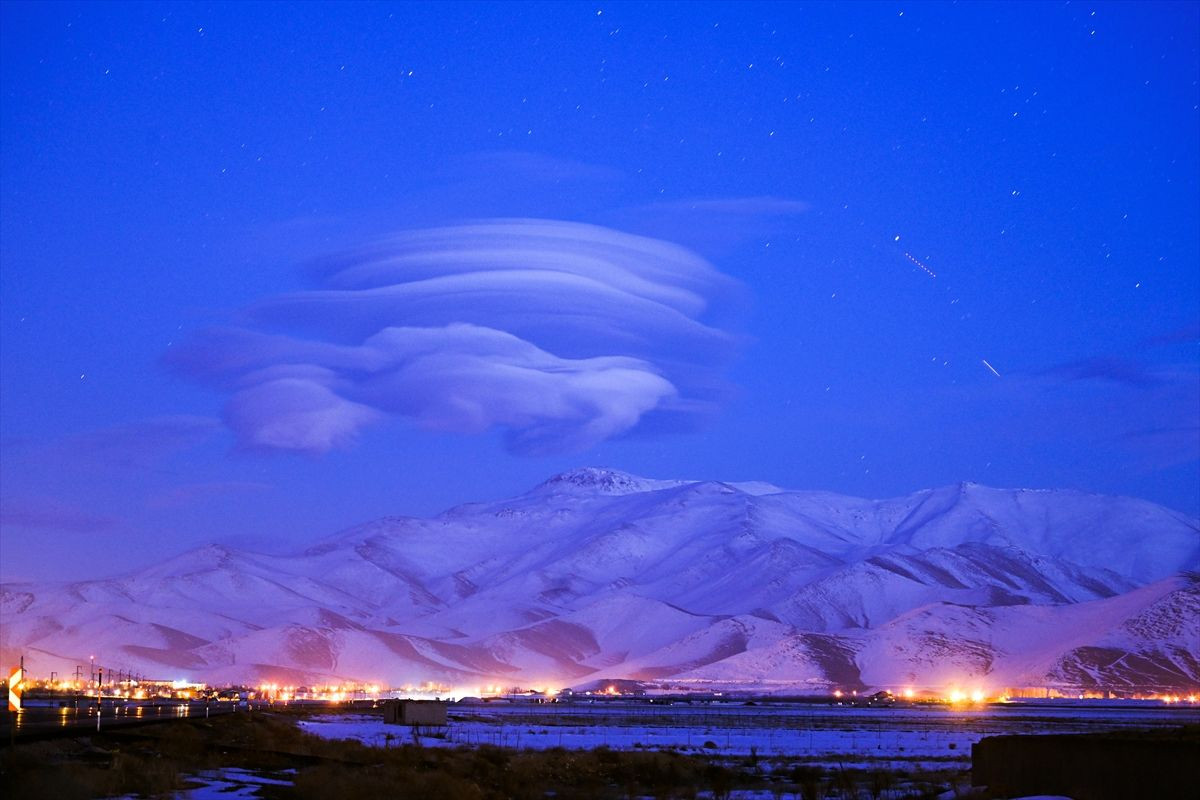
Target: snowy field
(912, 739)
(925, 737)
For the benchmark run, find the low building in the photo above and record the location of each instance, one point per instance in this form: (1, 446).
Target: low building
(414, 712)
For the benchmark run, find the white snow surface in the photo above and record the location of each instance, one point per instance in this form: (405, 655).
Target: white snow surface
(597, 574)
(895, 737)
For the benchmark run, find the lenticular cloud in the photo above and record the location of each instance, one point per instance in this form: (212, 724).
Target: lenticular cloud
(561, 334)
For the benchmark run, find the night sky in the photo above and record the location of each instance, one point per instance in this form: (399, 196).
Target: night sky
(269, 271)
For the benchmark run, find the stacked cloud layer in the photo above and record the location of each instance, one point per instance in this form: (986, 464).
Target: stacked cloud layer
(562, 334)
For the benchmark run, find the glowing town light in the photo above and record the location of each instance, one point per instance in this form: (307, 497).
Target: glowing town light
(956, 696)
(908, 694)
(837, 692)
(977, 696)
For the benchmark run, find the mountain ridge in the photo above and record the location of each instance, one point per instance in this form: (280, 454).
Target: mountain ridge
(736, 584)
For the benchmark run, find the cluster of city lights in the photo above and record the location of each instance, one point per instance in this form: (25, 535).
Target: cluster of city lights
(329, 693)
(960, 696)
(183, 689)
(953, 696)
(1174, 698)
(129, 689)
(337, 693)
(495, 690)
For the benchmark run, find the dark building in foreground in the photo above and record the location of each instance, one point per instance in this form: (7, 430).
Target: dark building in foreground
(1108, 766)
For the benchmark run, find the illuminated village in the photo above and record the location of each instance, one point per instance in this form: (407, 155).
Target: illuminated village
(55, 691)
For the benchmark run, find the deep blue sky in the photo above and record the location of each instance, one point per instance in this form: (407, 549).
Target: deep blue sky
(886, 196)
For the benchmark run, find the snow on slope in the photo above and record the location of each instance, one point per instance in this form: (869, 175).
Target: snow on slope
(599, 574)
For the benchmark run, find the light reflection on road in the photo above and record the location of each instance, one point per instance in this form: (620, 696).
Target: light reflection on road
(31, 721)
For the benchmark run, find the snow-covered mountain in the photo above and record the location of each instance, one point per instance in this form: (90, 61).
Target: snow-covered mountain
(599, 574)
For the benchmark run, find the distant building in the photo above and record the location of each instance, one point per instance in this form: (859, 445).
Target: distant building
(414, 712)
(884, 698)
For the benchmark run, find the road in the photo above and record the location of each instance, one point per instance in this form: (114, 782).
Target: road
(44, 723)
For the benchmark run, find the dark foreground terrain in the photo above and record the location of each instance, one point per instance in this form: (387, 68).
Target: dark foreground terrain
(267, 754)
(158, 760)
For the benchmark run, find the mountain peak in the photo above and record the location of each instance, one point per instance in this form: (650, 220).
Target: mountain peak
(600, 480)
